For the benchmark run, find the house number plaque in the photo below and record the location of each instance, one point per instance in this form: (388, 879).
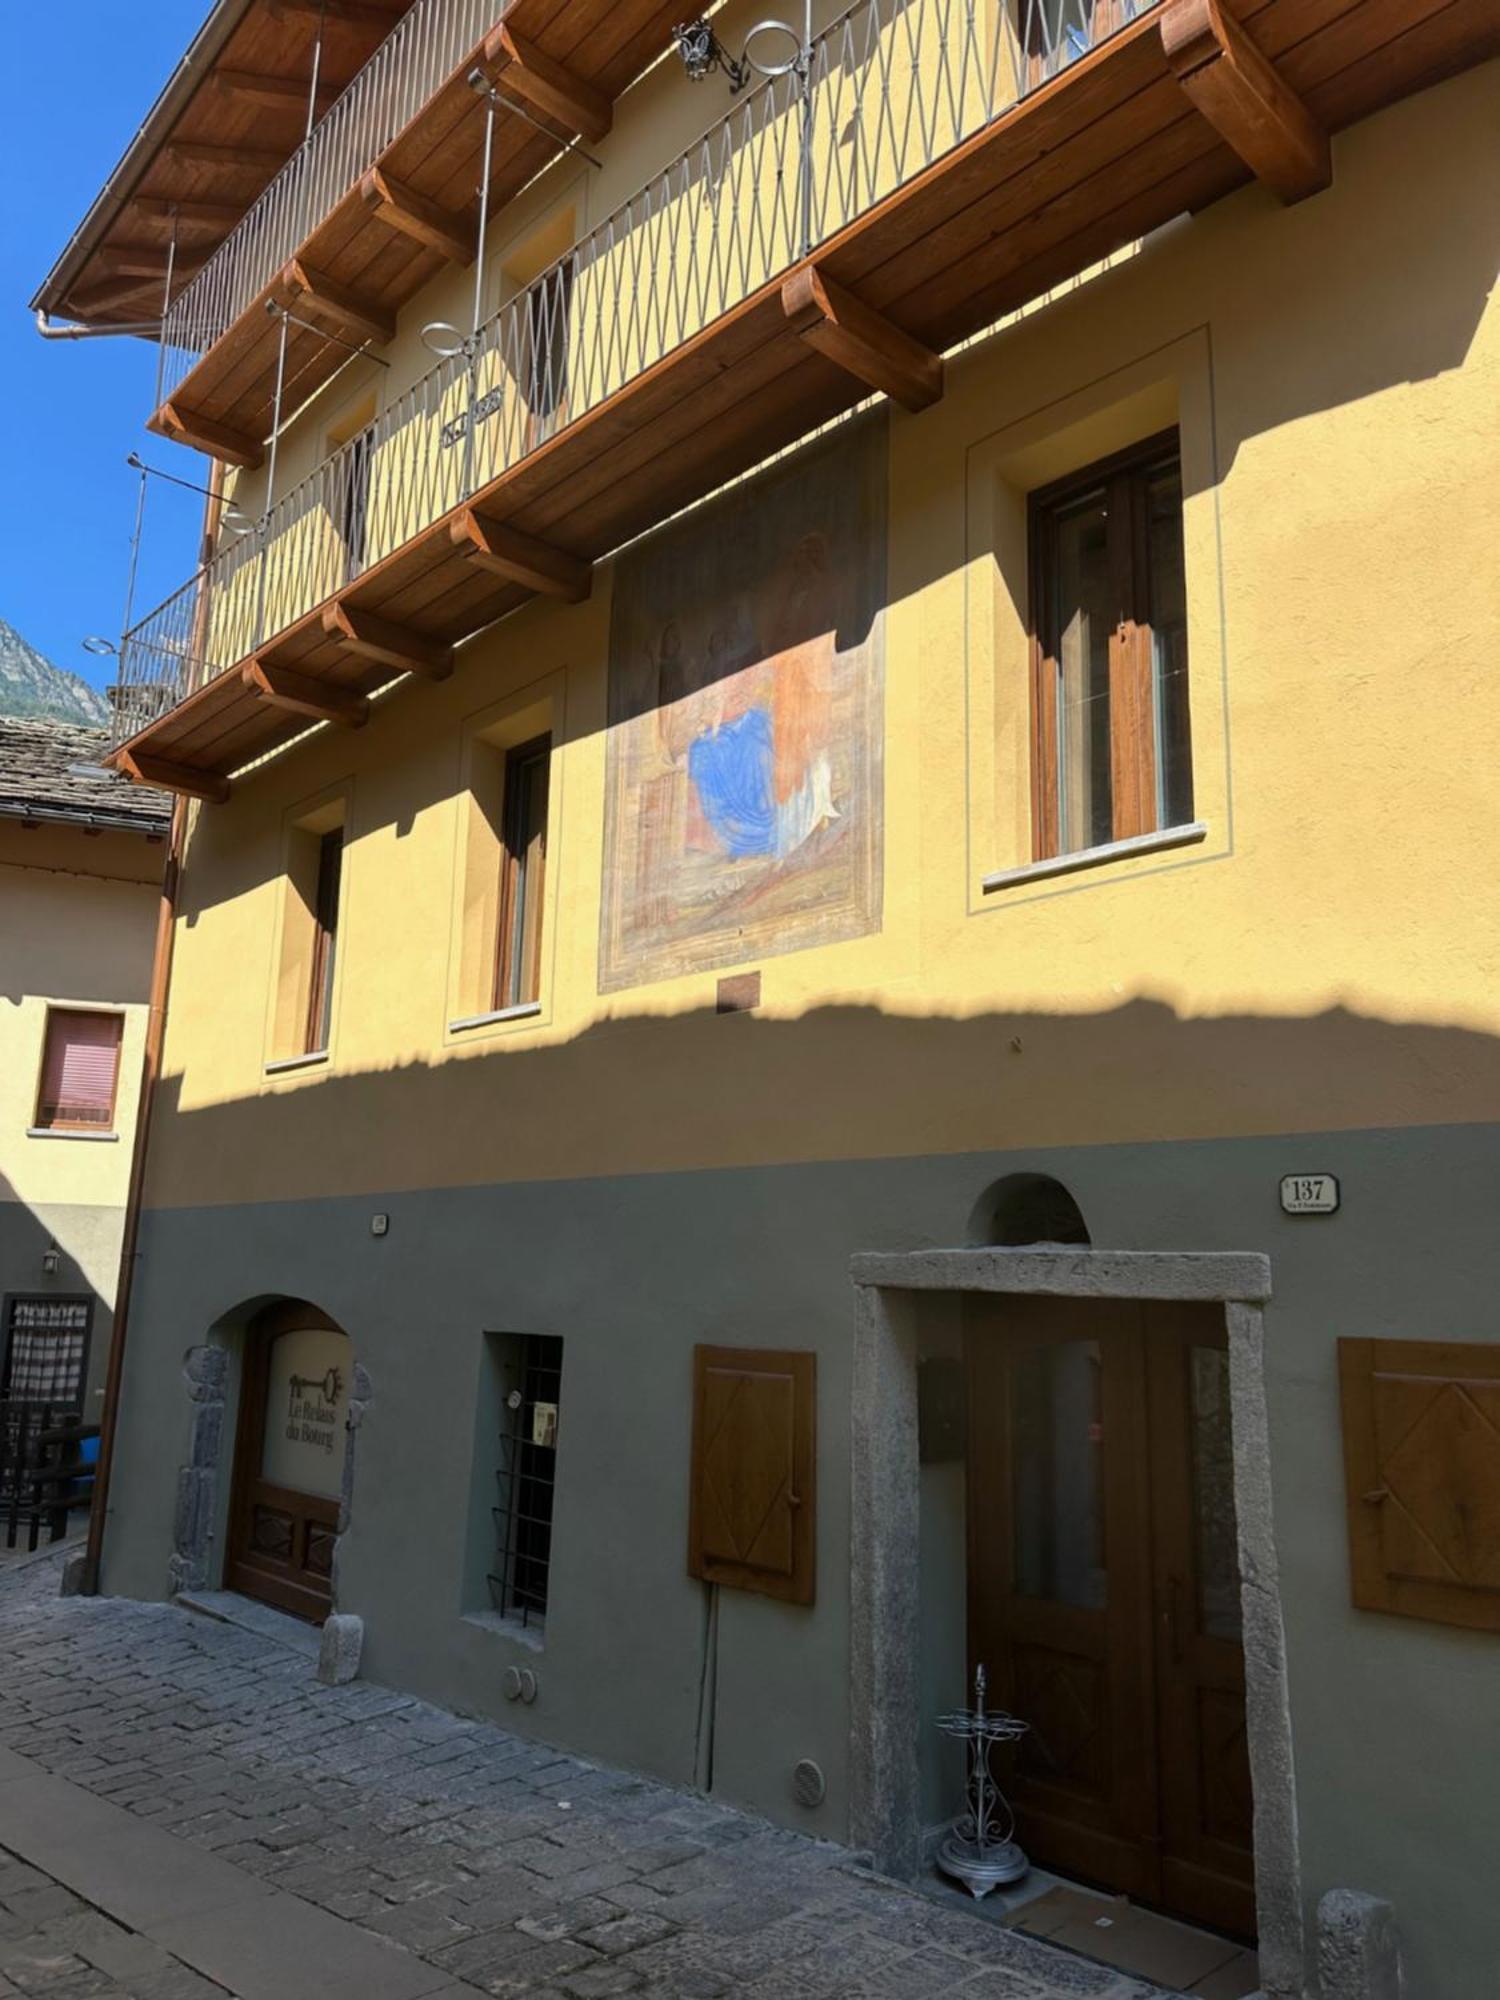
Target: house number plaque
(1309, 1194)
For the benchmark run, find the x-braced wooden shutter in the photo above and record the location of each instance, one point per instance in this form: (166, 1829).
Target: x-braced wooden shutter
(754, 1459)
(1422, 1459)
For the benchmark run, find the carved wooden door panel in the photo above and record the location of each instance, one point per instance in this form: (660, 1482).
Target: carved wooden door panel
(289, 1461)
(1104, 1592)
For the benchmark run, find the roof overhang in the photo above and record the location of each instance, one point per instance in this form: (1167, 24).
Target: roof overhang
(126, 226)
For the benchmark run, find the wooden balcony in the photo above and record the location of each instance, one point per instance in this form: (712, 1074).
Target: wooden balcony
(361, 242)
(206, 152)
(1172, 112)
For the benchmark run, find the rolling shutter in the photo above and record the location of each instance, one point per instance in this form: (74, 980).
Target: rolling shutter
(79, 1067)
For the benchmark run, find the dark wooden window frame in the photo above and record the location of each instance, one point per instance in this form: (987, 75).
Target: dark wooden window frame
(354, 499)
(522, 882)
(549, 338)
(319, 1025)
(40, 1123)
(1132, 697)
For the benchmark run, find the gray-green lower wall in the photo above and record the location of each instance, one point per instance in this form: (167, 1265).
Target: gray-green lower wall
(1396, 1729)
(87, 1240)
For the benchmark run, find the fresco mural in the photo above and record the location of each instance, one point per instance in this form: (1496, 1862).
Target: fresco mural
(743, 805)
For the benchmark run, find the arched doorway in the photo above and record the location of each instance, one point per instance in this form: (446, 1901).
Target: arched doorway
(290, 1450)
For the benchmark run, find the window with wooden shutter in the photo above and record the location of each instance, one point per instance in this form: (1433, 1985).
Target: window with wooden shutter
(752, 1520)
(80, 1065)
(1422, 1459)
(1111, 755)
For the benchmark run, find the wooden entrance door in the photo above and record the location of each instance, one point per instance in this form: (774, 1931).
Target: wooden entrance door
(1104, 1592)
(289, 1460)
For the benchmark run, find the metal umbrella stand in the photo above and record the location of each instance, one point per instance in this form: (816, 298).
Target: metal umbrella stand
(979, 1850)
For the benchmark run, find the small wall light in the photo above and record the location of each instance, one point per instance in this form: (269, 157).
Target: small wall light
(51, 1258)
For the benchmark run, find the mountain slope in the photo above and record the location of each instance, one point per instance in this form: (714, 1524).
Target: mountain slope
(32, 686)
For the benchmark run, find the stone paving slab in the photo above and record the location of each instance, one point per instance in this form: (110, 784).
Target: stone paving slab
(379, 1839)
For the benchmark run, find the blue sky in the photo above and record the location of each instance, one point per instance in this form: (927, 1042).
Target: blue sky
(79, 77)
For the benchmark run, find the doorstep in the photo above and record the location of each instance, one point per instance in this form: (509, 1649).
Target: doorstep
(1115, 1931)
(228, 1607)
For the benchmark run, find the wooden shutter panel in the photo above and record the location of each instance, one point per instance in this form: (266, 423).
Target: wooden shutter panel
(754, 1463)
(1422, 1460)
(78, 1068)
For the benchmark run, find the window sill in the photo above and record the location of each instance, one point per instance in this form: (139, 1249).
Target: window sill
(533, 1637)
(70, 1132)
(284, 1064)
(526, 1010)
(1095, 857)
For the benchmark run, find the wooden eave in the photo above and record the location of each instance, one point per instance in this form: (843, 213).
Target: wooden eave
(1090, 161)
(240, 126)
(543, 56)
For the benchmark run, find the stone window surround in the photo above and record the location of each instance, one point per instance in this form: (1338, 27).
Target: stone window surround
(884, 1563)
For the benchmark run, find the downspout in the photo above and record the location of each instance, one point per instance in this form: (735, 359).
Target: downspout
(156, 1027)
(49, 332)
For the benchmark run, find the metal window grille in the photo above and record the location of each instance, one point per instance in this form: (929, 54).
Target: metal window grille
(525, 1477)
(47, 1351)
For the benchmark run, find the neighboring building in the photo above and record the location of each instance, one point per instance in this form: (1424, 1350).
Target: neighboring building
(612, 1076)
(80, 878)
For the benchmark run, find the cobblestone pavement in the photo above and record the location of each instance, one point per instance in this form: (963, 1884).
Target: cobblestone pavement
(509, 1868)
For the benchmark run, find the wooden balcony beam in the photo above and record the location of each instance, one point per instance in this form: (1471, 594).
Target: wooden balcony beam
(358, 317)
(371, 638)
(358, 13)
(521, 558)
(400, 207)
(276, 93)
(147, 260)
(862, 341)
(106, 296)
(1245, 99)
(521, 70)
(221, 214)
(247, 159)
(301, 695)
(143, 768)
(185, 426)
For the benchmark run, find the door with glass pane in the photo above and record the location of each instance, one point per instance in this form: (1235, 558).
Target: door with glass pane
(1204, 1758)
(1103, 1592)
(289, 1460)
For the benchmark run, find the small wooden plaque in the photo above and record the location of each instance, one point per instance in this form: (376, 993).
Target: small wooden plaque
(739, 993)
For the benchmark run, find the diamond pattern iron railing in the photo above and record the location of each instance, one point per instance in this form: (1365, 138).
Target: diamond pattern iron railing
(893, 85)
(416, 58)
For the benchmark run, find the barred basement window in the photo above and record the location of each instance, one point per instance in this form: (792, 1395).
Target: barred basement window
(525, 1475)
(45, 1350)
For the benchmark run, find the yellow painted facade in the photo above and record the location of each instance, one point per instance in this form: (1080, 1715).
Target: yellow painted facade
(77, 921)
(1320, 958)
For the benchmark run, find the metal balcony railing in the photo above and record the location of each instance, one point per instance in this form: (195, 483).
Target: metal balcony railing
(892, 86)
(416, 58)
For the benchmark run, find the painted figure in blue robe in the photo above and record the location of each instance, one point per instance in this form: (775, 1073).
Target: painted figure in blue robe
(733, 772)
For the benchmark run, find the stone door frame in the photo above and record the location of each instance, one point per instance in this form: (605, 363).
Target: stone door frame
(885, 1717)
